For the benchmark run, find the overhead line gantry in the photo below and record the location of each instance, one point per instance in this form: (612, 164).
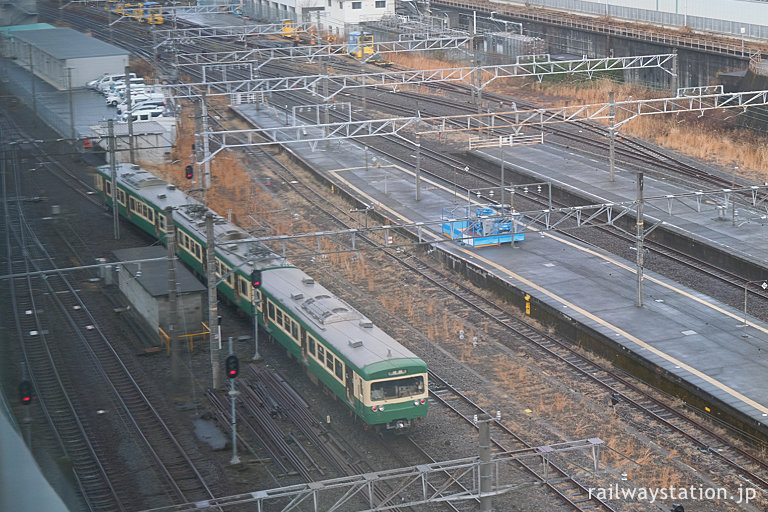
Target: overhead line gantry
(698, 99)
(312, 52)
(239, 32)
(242, 91)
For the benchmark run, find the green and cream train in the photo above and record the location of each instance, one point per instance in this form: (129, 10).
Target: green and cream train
(382, 382)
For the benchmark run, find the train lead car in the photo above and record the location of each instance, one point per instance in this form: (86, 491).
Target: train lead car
(382, 382)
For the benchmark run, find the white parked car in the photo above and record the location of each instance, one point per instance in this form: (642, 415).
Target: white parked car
(118, 96)
(108, 88)
(156, 98)
(145, 115)
(104, 81)
(142, 108)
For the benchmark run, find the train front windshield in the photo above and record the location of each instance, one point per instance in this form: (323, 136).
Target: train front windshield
(397, 388)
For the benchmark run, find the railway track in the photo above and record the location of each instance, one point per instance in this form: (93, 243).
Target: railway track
(612, 382)
(51, 357)
(741, 462)
(554, 476)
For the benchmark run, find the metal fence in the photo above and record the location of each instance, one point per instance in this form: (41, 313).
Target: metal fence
(658, 17)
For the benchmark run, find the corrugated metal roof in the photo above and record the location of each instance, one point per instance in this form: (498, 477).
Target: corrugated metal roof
(66, 43)
(13, 29)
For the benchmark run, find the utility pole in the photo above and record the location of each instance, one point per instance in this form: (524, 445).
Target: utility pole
(501, 144)
(418, 167)
(113, 177)
(170, 240)
(71, 108)
(326, 114)
(213, 312)
(32, 83)
(483, 424)
(130, 117)
(639, 244)
(612, 135)
(206, 182)
(197, 147)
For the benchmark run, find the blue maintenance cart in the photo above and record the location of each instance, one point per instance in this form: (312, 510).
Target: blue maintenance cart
(483, 225)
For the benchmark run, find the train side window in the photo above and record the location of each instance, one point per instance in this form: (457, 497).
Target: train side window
(287, 323)
(109, 187)
(320, 353)
(279, 317)
(329, 360)
(311, 345)
(161, 222)
(339, 370)
(271, 310)
(295, 330)
(243, 286)
(132, 204)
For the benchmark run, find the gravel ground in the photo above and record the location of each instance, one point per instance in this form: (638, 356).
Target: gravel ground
(511, 381)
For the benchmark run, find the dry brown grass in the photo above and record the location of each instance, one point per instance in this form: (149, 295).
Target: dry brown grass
(710, 138)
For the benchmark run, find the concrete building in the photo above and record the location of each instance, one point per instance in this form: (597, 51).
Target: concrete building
(63, 56)
(146, 287)
(337, 17)
(341, 16)
(152, 140)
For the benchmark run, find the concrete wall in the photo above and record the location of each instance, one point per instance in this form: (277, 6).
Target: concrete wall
(141, 302)
(726, 16)
(155, 310)
(695, 68)
(87, 69)
(190, 312)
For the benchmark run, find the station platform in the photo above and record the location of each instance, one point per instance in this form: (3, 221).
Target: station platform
(695, 341)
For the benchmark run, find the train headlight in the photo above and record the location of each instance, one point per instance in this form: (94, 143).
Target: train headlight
(381, 407)
(374, 408)
(415, 402)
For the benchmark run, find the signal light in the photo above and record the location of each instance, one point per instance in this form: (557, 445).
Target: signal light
(233, 366)
(189, 172)
(25, 392)
(256, 278)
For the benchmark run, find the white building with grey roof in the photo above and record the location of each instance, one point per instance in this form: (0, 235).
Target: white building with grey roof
(63, 56)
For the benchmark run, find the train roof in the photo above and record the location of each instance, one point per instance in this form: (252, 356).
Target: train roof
(233, 244)
(354, 336)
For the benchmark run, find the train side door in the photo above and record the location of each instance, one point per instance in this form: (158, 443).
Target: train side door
(303, 342)
(349, 382)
